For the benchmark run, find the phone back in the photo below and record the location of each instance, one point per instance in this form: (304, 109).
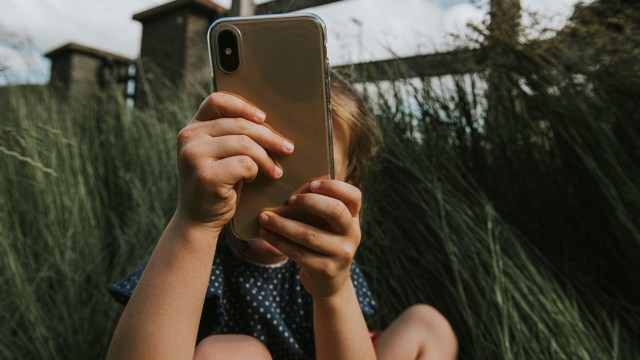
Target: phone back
(281, 67)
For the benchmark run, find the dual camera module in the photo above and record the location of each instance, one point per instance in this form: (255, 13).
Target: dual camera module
(228, 51)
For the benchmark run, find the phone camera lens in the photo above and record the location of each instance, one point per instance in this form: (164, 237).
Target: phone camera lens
(228, 53)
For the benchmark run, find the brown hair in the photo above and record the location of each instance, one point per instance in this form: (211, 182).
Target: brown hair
(364, 133)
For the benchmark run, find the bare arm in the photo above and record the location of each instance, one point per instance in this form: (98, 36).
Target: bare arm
(161, 319)
(222, 146)
(325, 255)
(339, 327)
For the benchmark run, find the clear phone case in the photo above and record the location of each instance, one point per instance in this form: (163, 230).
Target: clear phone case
(283, 70)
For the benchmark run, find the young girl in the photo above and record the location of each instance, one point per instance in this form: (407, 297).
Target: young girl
(294, 294)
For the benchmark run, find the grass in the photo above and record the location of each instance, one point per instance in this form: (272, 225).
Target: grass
(509, 202)
(82, 200)
(448, 245)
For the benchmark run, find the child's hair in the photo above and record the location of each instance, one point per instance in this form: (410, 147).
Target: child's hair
(364, 133)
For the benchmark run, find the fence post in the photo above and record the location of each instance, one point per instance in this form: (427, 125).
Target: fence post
(502, 86)
(242, 8)
(505, 20)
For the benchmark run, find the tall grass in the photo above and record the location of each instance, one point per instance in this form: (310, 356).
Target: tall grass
(508, 201)
(86, 189)
(511, 200)
(434, 222)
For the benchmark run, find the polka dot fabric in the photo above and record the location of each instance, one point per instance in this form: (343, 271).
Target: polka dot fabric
(268, 303)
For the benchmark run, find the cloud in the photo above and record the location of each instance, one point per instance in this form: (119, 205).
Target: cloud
(103, 24)
(47, 24)
(362, 30)
(552, 13)
(22, 64)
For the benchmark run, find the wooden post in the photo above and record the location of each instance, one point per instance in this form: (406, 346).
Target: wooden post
(242, 8)
(502, 82)
(505, 20)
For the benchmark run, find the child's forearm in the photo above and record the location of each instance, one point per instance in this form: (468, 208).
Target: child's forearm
(161, 319)
(339, 327)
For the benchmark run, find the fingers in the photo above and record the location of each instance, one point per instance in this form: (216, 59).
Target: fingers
(201, 152)
(310, 237)
(333, 211)
(233, 145)
(322, 274)
(307, 245)
(348, 194)
(224, 105)
(290, 249)
(235, 116)
(261, 134)
(229, 170)
(335, 202)
(230, 137)
(326, 251)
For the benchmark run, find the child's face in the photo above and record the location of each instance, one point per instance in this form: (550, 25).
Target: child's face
(261, 251)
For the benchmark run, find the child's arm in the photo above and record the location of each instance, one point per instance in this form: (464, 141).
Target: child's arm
(325, 255)
(223, 145)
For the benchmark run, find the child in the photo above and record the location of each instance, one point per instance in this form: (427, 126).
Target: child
(294, 294)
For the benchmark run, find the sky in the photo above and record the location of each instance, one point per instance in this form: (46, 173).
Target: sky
(358, 30)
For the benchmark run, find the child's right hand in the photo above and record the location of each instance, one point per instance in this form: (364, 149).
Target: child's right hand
(225, 144)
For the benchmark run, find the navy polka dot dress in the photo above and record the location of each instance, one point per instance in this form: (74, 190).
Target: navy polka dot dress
(266, 302)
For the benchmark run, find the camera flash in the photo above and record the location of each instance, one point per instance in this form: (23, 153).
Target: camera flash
(228, 51)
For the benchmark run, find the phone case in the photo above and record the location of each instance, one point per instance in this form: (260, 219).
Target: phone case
(283, 70)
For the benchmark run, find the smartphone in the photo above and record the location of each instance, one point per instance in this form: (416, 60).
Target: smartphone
(279, 63)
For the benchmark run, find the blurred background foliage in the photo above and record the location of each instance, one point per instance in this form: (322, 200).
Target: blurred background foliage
(509, 200)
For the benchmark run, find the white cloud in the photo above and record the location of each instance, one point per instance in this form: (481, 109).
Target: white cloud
(22, 65)
(103, 24)
(546, 14)
(457, 17)
(556, 11)
(361, 30)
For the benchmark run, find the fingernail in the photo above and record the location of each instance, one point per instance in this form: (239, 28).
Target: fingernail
(293, 199)
(260, 115)
(278, 172)
(314, 185)
(288, 146)
(263, 218)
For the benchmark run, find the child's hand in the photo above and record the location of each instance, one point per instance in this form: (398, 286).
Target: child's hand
(225, 144)
(324, 254)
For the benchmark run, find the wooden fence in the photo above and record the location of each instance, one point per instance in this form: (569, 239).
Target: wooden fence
(505, 22)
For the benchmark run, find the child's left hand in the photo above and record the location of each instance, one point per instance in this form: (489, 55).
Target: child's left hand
(324, 254)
